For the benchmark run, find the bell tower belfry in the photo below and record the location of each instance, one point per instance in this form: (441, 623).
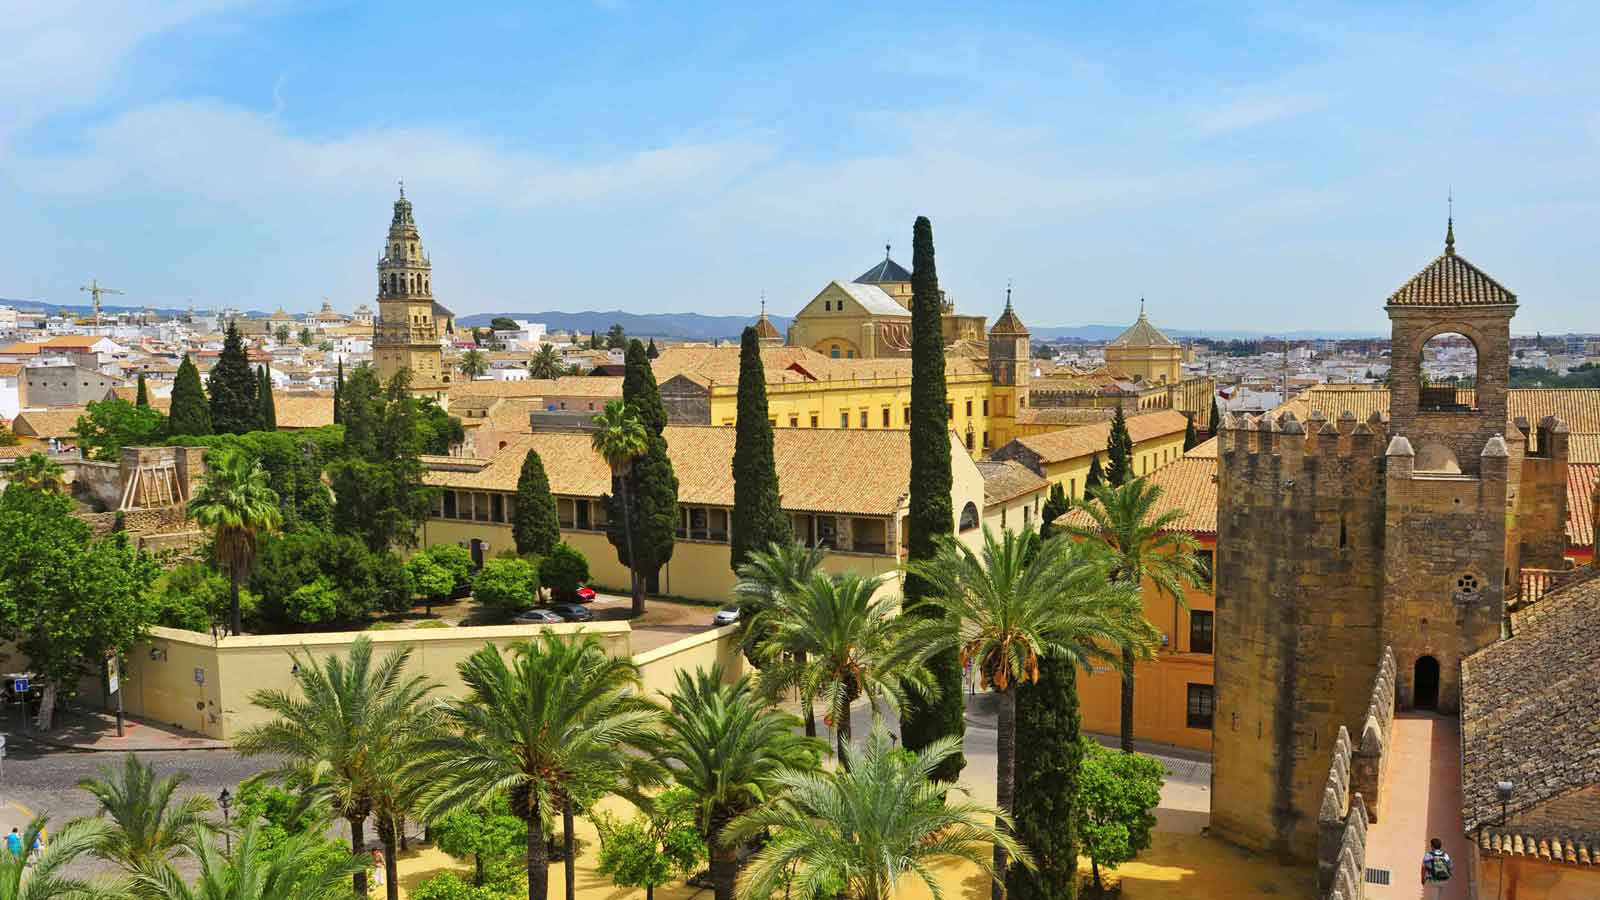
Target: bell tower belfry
(410, 324)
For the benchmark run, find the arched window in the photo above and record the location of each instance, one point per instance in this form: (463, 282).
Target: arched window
(969, 517)
(834, 351)
(1447, 373)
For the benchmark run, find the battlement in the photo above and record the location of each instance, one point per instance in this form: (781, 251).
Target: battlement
(1276, 455)
(1369, 761)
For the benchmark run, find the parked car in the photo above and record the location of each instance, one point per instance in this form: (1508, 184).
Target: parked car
(537, 617)
(584, 594)
(728, 615)
(571, 612)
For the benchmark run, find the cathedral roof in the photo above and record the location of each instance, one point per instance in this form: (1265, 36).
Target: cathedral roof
(1142, 334)
(1451, 281)
(873, 299)
(886, 272)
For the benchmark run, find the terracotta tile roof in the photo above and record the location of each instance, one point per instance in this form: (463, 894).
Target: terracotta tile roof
(302, 410)
(845, 472)
(1580, 500)
(1142, 334)
(1071, 443)
(1005, 480)
(1451, 281)
(1062, 416)
(131, 394)
(1009, 322)
(1563, 849)
(1529, 707)
(1188, 485)
(765, 329)
(23, 348)
(790, 365)
(1206, 449)
(48, 423)
(73, 341)
(10, 370)
(566, 386)
(1579, 408)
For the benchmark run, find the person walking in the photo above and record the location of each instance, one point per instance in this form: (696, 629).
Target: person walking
(378, 868)
(14, 843)
(1436, 868)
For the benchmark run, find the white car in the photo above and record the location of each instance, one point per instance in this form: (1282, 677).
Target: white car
(728, 615)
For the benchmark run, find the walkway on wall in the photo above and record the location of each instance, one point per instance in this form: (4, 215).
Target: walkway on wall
(1421, 799)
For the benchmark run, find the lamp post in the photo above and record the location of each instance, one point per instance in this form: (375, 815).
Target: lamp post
(1502, 789)
(225, 800)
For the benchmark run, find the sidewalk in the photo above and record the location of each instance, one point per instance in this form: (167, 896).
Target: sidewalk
(1421, 800)
(96, 732)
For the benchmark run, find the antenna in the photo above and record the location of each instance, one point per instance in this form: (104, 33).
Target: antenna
(95, 290)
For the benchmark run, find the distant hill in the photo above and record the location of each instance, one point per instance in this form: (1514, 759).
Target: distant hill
(1107, 332)
(678, 326)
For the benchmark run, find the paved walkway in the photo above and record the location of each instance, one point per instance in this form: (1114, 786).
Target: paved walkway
(1421, 800)
(95, 731)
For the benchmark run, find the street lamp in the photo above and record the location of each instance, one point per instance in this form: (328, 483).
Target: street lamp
(1502, 789)
(225, 800)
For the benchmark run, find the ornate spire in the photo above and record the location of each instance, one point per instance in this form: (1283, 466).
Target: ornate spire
(1141, 309)
(402, 189)
(1008, 295)
(1450, 225)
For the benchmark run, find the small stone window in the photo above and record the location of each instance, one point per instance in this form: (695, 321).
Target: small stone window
(1467, 584)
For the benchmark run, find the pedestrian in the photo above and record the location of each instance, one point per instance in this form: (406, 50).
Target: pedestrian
(14, 843)
(377, 868)
(1436, 866)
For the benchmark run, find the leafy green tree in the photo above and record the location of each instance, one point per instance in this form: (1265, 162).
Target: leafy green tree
(268, 414)
(620, 438)
(362, 581)
(1190, 439)
(559, 712)
(235, 408)
(141, 394)
(234, 503)
(325, 346)
(1117, 793)
(455, 560)
(313, 603)
(594, 341)
(433, 582)
(616, 338)
(501, 323)
(293, 461)
(534, 523)
(37, 472)
(1119, 450)
(652, 487)
(66, 601)
(546, 363)
(281, 334)
(1096, 476)
(195, 597)
(190, 412)
(563, 571)
(860, 828)
(758, 520)
(652, 848)
(7, 438)
(930, 515)
(45, 878)
(448, 886)
(1016, 601)
(474, 363)
(249, 873)
(306, 337)
(728, 748)
(152, 825)
(329, 738)
(1049, 761)
(769, 577)
(487, 834)
(377, 475)
(507, 585)
(113, 424)
(437, 430)
(833, 640)
(1144, 547)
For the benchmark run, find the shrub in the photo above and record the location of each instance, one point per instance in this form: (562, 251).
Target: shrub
(314, 603)
(564, 571)
(455, 560)
(1117, 792)
(195, 596)
(362, 581)
(448, 886)
(434, 623)
(507, 585)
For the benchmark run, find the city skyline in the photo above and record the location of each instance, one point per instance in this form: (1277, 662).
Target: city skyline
(1252, 170)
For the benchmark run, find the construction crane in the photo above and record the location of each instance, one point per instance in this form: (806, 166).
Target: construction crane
(95, 290)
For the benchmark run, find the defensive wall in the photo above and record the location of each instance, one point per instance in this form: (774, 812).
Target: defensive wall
(1350, 798)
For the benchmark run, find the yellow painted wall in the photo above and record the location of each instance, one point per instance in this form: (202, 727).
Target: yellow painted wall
(659, 668)
(1016, 513)
(1533, 878)
(1148, 456)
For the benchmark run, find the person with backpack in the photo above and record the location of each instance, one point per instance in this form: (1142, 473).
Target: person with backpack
(1436, 867)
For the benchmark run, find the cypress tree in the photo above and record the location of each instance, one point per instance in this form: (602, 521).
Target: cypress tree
(653, 487)
(269, 409)
(1189, 437)
(1054, 505)
(338, 394)
(757, 518)
(1049, 761)
(233, 388)
(1119, 450)
(141, 397)
(1216, 415)
(1097, 475)
(651, 351)
(190, 413)
(930, 516)
(534, 523)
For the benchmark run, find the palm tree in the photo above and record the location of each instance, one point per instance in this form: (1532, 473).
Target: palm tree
(726, 745)
(337, 739)
(855, 831)
(474, 363)
(546, 363)
(150, 826)
(560, 712)
(43, 879)
(833, 641)
(1018, 601)
(620, 438)
(1145, 547)
(767, 577)
(292, 871)
(235, 504)
(38, 472)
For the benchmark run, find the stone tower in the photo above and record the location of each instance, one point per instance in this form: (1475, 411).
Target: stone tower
(1008, 350)
(410, 324)
(1338, 537)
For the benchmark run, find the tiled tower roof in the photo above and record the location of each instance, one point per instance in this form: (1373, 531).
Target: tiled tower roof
(1451, 281)
(886, 272)
(1142, 334)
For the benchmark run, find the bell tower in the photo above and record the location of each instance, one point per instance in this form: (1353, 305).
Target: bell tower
(410, 324)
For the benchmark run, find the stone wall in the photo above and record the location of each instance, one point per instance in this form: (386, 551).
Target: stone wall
(1541, 506)
(1342, 829)
(1369, 762)
(98, 483)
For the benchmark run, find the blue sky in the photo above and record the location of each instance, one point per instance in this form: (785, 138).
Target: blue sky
(1259, 167)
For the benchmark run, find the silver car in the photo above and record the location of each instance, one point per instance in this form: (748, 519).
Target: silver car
(728, 615)
(536, 617)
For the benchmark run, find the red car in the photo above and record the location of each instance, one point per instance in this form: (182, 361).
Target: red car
(584, 594)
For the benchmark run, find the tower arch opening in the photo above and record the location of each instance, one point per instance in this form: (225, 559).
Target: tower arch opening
(1425, 683)
(1448, 373)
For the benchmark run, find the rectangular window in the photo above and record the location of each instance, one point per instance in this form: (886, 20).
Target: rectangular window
(813, 421)
(969, 409)
(794, 421)
(986, 440)
(986, 406)
(1205, 561)
(1200, 623)
(449, 504)
(497, 508)
(950, 411)
(905, 414)
(863, 418)
(886, 417)
(1202, 705)
(583, 514)
(969, 440)
(480, 508)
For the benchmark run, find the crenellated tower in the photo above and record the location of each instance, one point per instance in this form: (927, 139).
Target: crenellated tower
(411, 325)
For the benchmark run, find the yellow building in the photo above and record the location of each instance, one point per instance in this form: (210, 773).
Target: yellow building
(411, 324)
(1063, 457)
(844, 490)
(1143, 352)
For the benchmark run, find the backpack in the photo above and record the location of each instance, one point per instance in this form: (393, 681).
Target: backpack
(1438, 864)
